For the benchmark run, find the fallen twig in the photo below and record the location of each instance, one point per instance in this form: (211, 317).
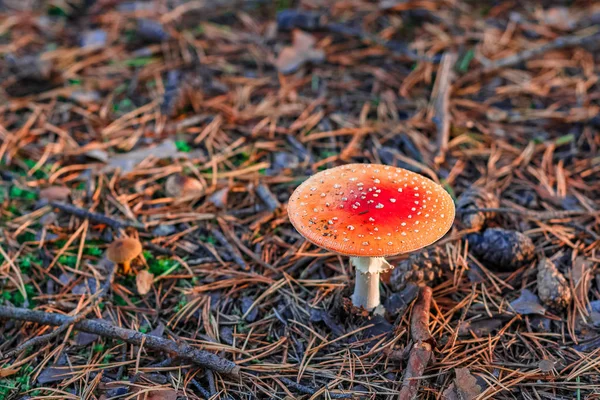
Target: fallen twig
(94, 300)
(95, 217)
(440, 103)
(106, 329)
(421, 353)
(535, 214)
(525, 55)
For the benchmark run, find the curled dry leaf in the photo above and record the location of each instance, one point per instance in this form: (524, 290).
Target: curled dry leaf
(156, 394)
(302, 51)
(128, 161)
(143, 281)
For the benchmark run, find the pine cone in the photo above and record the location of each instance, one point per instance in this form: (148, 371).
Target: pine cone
(472, 199)
(419, 268)
(501, 248)
(553, 289)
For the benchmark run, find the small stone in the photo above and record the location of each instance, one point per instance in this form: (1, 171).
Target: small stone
(546, 366)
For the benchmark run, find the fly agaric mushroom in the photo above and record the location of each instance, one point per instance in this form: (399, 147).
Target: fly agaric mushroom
(122, 251)
(369, 211)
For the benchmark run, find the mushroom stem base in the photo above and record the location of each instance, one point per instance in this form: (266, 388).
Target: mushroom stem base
(366, 288)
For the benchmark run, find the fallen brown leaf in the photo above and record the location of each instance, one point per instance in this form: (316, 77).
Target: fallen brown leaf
(466, 384)
(55, 193)
(143, 281)
(301, 52)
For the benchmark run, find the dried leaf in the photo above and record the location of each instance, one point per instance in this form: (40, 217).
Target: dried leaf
(128, 161)
(158, 331)
(561, 18)
(143, 281)
(219, 198)
(528, 303)
(246, 304)
(582, 277)
(466, 384)
(84, 338)
(164, 394)
(479, 328)
(55, 193)
(302, 51)
(54, 374)
(450, 393)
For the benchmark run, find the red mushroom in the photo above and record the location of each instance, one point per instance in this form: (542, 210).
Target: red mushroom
(370, 211)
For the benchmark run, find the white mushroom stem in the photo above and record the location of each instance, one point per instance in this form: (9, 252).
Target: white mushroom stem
(366, 288)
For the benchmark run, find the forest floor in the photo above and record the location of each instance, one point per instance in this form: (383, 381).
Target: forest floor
(187, 125)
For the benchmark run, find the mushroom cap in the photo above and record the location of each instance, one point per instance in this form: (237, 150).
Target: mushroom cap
(123, 250)
(181, 185)
(370, 210)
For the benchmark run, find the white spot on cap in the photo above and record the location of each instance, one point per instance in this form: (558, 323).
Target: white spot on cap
(365, 243)
(376, 180)
(350, 228)
(392, 200)
(400, 190)
(379, 205)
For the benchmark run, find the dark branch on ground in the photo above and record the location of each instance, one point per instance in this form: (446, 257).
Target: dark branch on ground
(94, 300)
(106, 329)
(421, 353)
(94, 217)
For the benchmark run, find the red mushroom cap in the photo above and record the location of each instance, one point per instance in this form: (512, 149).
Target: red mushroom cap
(370, 210)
